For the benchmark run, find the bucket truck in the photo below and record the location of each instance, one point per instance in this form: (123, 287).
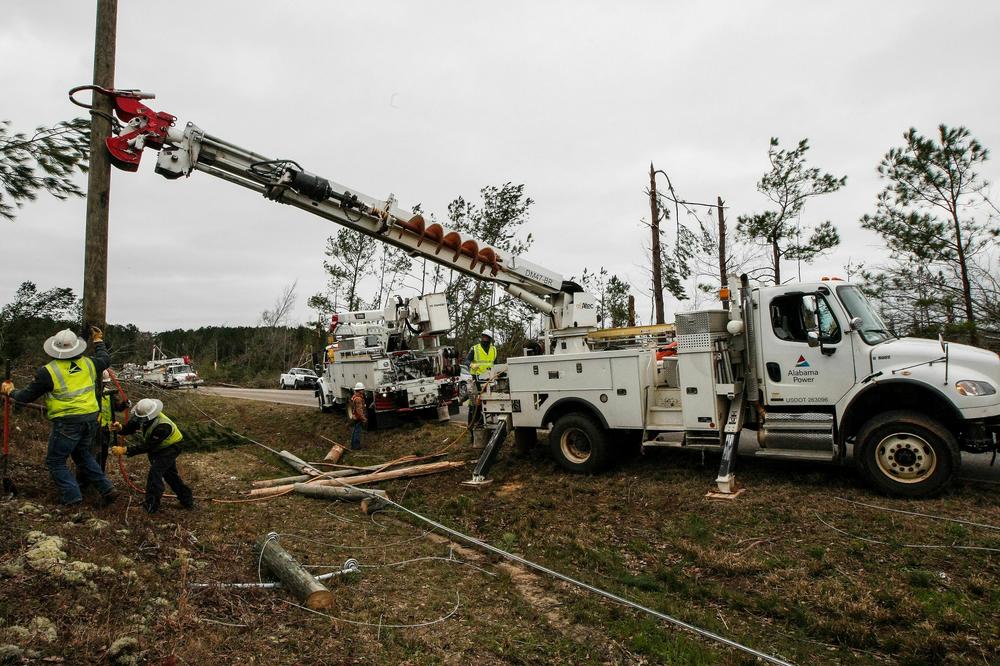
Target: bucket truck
(810, 367)
(397, 354)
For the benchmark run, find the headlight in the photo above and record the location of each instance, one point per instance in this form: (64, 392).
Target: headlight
(971, 387)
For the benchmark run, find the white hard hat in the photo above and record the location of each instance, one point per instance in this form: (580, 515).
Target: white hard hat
(64, 344)
(359, 387)
(488, 333)
(147, 408)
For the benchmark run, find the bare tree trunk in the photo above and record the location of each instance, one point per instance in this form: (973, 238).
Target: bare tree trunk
(776, 258)
(966, 283)
(654, 223)
(723, 261)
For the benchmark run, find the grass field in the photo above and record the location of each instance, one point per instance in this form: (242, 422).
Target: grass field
(789, 568)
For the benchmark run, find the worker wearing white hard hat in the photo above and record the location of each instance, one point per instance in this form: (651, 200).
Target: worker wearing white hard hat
(69, 384)
(357, 412)
(161, 442)
(482, 355)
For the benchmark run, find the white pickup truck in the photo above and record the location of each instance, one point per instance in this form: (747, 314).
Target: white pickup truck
(298, 378)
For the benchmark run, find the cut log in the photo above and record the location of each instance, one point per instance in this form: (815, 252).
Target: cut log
(334, 493)
(335, 453)
(401, 473)
(296, 463)
(293, 577)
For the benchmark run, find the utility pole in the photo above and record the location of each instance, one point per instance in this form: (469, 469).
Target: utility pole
(631, 310)
(654, 218)
(95, 261)
(723, 277)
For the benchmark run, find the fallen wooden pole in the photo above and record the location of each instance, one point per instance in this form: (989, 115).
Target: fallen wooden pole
(296, 463)
(335, 493)
(302, 478)
(291, 574)
(403, 472)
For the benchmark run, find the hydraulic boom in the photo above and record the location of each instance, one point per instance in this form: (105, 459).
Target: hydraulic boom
(571, 311)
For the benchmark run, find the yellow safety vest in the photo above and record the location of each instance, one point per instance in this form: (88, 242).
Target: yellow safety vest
(482, 360)
(106, 416)
(73, 388)
(174, 437)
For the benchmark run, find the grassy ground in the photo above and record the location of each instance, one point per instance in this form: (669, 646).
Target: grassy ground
(765, 570)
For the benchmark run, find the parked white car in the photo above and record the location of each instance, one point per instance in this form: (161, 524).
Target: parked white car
(298, 378)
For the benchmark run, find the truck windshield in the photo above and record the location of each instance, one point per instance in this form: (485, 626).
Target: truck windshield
(180, 369)
(872, 328)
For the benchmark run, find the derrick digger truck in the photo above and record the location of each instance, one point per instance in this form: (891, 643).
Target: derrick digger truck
(810, 367)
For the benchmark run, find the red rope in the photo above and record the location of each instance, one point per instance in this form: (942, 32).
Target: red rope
(118, 437)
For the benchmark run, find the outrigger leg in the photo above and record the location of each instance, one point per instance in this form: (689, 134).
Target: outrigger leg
(726, 481)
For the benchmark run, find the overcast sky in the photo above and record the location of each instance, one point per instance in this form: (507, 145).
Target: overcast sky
(430, 100)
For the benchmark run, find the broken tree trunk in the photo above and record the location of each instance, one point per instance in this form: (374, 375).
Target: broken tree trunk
(296, 463)
(372, 504)
(401, 473)
(335, 454)
(334, 493)
(300, 582)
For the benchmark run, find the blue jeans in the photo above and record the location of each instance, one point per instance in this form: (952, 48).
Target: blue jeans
(73, 440)
(356, 436)
(163, 467)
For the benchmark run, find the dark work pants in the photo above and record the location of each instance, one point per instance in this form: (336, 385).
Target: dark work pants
(356, 436)
(101, 445)
(163, 467)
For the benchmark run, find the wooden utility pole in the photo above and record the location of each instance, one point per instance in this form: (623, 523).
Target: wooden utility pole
(95, 261)
(723, 277)
(654, 223)
(631, 310)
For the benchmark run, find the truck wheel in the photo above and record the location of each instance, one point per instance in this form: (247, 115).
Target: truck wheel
(281, 384)
(579, 444)
(906, 454)
(297, 385)
(323, 408)
(463, 392)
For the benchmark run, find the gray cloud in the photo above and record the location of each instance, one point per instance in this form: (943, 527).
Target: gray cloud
(432, 100)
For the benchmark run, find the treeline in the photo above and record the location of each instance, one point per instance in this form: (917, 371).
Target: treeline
(244, 355)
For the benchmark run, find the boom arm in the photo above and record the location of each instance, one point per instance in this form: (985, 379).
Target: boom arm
(187, 149)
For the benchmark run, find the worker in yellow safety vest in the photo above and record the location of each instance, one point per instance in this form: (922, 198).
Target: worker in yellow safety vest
(69, 384)
(480, 360)
(482, 356)
(111, 403)
(161, 440)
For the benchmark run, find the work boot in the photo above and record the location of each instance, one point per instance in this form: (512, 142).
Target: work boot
(190, 506)
(108, 498)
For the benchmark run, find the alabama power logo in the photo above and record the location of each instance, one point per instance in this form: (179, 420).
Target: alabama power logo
(802, 373)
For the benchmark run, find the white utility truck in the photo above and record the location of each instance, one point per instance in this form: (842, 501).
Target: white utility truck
(810, 367)
(397, 354)
(173, 372)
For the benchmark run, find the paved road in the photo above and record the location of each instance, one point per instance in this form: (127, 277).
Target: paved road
(303, 398)
(973, 467)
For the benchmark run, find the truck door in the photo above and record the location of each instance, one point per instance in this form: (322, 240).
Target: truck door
(798, 371)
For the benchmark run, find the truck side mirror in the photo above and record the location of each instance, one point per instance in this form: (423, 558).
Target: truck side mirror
(856, 323)
(812, 337)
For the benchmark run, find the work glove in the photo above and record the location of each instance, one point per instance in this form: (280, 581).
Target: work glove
(114, 426)
(96, 334)
(7, 387)
(118, 450)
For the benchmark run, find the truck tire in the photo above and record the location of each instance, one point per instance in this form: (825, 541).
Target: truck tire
(323, 408)
(297, 385)
(281, 384)
(907, 454)
(579, 444)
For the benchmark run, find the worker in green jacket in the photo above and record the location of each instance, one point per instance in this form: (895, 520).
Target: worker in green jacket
(161, 440)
